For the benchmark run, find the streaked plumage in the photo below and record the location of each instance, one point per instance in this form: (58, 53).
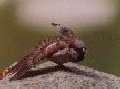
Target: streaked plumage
(62, 49)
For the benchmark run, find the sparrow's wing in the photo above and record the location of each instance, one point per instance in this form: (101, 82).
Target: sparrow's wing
(45, 49)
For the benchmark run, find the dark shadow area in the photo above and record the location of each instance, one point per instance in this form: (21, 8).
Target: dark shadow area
(56, 68)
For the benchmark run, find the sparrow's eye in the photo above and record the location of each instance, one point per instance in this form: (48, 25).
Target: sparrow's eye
(84, 49)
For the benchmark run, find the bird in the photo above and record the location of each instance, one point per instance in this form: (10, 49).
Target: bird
(66, 47)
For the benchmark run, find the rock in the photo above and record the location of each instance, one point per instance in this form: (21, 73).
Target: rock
(70, 76)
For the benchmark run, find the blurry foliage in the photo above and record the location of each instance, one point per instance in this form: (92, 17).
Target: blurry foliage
(103, 43)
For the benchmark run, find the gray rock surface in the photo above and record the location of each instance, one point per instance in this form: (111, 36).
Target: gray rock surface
(71, 76)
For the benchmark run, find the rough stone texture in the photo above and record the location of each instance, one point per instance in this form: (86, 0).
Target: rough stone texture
(71, 76)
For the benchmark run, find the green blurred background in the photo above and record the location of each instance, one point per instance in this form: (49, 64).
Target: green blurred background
(103, 42)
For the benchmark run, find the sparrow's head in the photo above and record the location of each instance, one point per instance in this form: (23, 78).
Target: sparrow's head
(63, 30)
